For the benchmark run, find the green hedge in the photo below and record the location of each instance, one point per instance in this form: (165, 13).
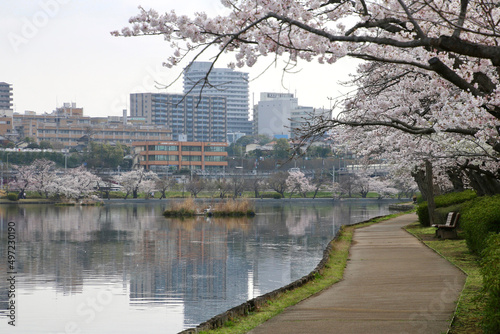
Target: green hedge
(443, 201)
(12, 196)
(491, 284)
(478, 218)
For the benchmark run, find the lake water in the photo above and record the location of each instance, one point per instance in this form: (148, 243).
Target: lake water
(124, 268)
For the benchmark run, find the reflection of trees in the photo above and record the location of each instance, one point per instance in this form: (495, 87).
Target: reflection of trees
(193, 260)
(230, 223)
(66, 245)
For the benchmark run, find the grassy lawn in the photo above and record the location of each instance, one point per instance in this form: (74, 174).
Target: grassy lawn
(331, 274)
(470, 306)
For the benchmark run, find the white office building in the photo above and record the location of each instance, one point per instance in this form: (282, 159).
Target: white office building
(273, 112)
(222, 82)
(278, 114)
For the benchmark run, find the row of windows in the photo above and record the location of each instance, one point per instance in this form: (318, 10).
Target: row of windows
(214, 158)
(191, 148)
(163, 148)
(101, 133)
(191, 158)
(185, 148)
(163, 158)
(215, 149)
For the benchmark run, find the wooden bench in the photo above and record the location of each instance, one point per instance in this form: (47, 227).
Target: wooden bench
(449, 229)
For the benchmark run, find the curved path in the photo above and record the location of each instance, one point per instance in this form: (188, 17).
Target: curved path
(392, 284)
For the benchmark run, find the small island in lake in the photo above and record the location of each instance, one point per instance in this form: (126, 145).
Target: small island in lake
(225, 208)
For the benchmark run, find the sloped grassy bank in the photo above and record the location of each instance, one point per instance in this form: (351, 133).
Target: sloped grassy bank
(478, 241)
(470, 307)
(330, 270)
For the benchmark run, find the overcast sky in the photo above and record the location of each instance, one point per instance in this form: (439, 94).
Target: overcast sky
(56, 51)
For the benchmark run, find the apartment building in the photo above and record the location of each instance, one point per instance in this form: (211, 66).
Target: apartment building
(167, 155)
(5, 96)
(190, 117)
(71, 129)
(6, 110)
(222, 82)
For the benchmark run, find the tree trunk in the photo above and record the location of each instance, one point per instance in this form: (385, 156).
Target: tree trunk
(455, 176)
(431, 205)
(483, 184)
(419, 177)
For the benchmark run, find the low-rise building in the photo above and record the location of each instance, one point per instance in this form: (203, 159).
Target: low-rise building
(177, 155)
(66, 129)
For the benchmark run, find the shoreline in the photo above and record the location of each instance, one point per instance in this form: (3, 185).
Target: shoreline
(328, 262)
(113, 201)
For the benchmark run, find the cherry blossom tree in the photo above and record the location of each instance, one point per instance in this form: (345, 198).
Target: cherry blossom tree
(430, 79)
(405, 185)
(75, 183)
(362, 183)
(43, 176)
(321, 178)
(383, 187)
(134, 182)
(148, 187)
(23, 177)
(452, 154)
(298, 182)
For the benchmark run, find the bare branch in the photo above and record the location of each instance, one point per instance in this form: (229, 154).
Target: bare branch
(444, 71)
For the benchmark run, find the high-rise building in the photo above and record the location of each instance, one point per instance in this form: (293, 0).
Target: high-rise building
(222, 82)
(5, 96)
(279, 115)
(190, 117)
(6, 110)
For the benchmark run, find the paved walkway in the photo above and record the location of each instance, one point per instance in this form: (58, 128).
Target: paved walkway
(392, 284)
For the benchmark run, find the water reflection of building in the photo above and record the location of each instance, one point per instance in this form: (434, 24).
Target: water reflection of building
(209, 266)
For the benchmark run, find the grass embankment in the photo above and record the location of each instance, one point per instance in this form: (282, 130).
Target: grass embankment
(470, 308)
(332, 273)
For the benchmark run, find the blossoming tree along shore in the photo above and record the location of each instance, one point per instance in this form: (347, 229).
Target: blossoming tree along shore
(42, 176)
(430, 79)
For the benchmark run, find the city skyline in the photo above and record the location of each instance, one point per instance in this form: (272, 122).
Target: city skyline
(57, 51)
